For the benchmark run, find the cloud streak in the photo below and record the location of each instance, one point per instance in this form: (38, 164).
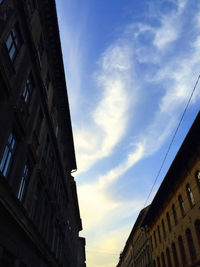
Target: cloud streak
(110, 117)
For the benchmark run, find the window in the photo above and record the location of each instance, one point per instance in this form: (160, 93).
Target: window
(40, 48)
(28, 89)
(151, 242)
(163, 260)
(36, 207)
(191, 244)
(158, 262)
(181, 204)
(53, 244)
(46, 148)
(23, 183)
(30, 7)
(168, 258)
(182, 249)
(159, 236)
(57, 130)
(190, 195)
(163, 228)
(169, 222)
(39, 123)
(155, 240)
(197, 227)
(7, 155)
(13, 43)
(175, 254)
(197, 175)
(47, 82)
(174, 214)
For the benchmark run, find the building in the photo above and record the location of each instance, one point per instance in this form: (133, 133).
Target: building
(173, 219)
(40, 220)
(171, 225)
(81, 255)
(137, 251)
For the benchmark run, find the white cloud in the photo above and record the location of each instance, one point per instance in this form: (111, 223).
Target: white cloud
(109, 119)
(169, 30)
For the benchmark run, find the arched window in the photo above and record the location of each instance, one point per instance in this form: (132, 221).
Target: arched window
(197, 175)
(197, 227)
(163, 228)
(168, 258)
(190, 195)
(182, 249)
(158, 262)
(174, 214)
(159, 236)
(181, 204)
(155, 240)
(163, 260)
(175, 254)
(151, 243)
(169, 222)
(190, 244)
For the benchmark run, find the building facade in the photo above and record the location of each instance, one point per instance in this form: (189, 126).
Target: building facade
(40, 220)
(171, 224)
(137, 251)
(173, 219)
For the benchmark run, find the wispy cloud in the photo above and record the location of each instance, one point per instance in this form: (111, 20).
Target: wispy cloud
(110, 117)
(168, 32)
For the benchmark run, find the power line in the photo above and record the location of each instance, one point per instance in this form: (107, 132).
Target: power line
(172, 140)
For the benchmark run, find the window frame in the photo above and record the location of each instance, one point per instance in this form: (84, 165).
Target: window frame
(155, 239)
(197, 229)
(163, 259)
(181, 205)
(190, 195)
(182, 249)
(158, 261)
(169, 261)
(174, 214)
(163, 228)
(38, 125)
(30, 7)
(197, 176)
(169, 222)
(40, 48)
(7, 156)
(13, 40)
(175, 255)
(47, 82)
(28, 88)
(191, 246)
(24, 181)
(159, 235)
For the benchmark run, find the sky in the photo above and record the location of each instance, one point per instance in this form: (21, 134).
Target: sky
(130, 69)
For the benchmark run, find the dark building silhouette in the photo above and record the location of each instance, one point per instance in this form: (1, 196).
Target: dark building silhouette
(39, 212)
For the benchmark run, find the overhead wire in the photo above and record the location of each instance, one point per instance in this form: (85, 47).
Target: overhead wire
(173, 137)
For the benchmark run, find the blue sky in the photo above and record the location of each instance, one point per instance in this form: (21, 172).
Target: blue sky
(130, 69)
